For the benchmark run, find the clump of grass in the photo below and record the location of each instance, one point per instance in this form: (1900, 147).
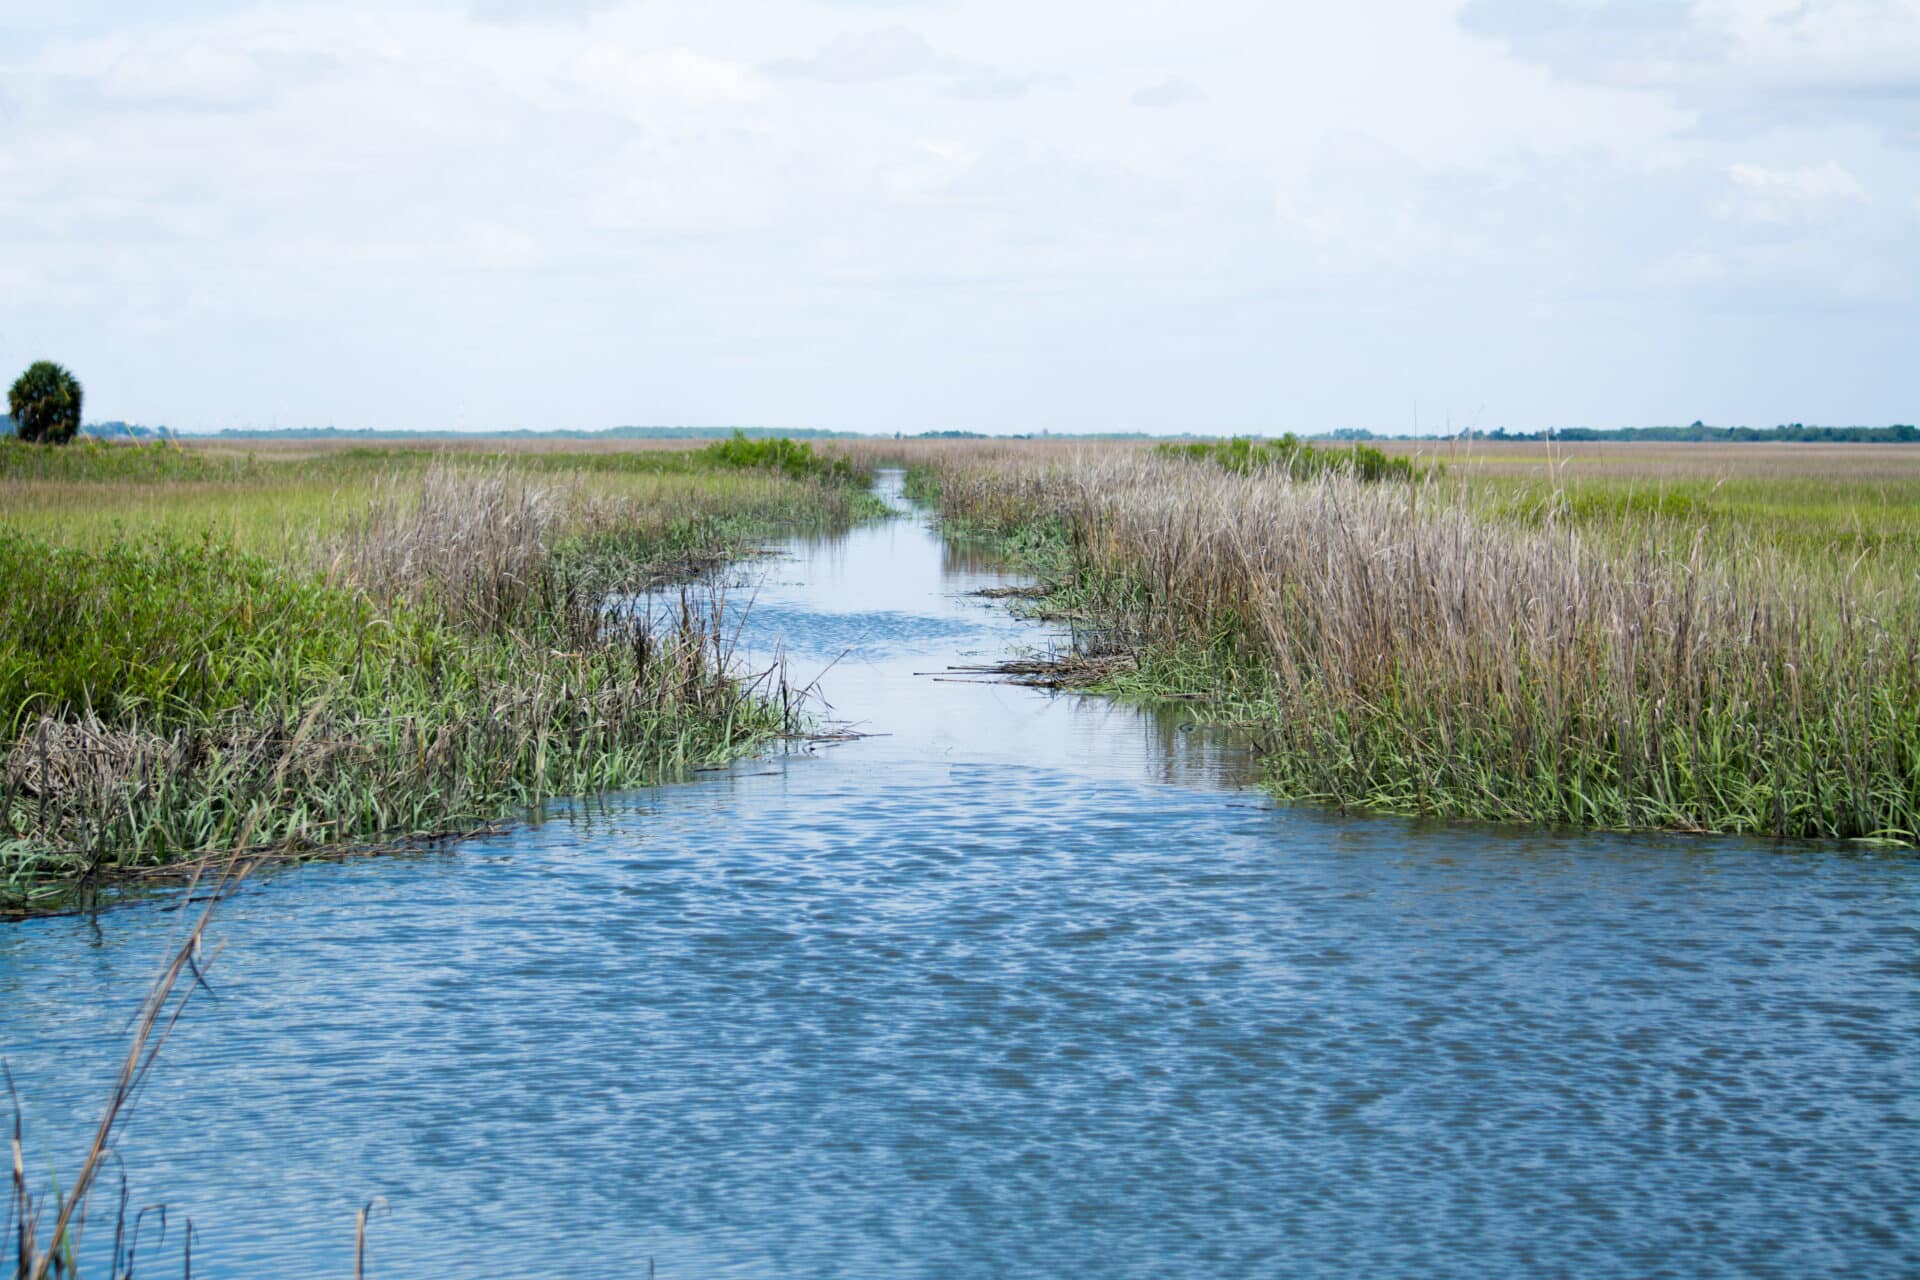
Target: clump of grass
(472, 542)
(1400, 649)
(1298, 459)
(795, 458)
(445, 658)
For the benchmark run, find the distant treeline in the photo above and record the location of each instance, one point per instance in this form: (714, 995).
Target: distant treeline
(1792, 432)
(527, 433)
(134, 431)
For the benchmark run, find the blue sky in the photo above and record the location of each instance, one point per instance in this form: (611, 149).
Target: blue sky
(1132, 214)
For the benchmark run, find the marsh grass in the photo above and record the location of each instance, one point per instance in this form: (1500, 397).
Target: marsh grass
(437, 653)
(1408, 648)
(302, 713)
(279, 502)
(1298, 459)
(794, 458)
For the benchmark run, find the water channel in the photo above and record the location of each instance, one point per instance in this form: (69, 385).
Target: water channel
(1023, 984)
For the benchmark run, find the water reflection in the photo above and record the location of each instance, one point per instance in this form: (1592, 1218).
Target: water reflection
(876, 619)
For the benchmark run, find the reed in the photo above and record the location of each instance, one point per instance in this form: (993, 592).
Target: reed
(1408, 648)
(48, 1234)
(61, 1220)
(473, 543)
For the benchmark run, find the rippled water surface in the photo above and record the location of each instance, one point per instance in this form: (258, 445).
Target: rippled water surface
(1026, 987)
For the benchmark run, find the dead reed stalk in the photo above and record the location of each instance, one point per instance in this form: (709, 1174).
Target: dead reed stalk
(470, 540)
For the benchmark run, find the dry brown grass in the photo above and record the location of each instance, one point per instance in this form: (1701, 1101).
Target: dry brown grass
(1667, 460)
(951, 453)
(473, 541)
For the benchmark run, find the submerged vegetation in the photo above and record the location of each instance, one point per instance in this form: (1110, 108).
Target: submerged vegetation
(1443, 648)
(201, 651)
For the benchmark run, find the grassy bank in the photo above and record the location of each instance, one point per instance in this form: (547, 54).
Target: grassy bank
(1475, 647)
(199, 652)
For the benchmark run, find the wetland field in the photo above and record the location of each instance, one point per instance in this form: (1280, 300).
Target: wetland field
(965, 858)
(203, 650)
(1697, 638)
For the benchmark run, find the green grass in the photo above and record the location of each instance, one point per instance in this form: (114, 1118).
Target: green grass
(156, 631)
(1298, 459)
(1810, 518)
(356, 648)
(91, 461)
(90, 494)
(794, 458)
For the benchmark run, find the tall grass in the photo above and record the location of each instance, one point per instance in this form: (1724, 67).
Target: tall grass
(439, 655)
(473, 543)
(1400, 648)
(1297, 458)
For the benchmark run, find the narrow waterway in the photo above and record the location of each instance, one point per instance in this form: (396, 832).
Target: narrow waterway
(1021, 985)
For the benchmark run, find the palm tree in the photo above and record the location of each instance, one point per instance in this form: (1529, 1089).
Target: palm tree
(45, 403)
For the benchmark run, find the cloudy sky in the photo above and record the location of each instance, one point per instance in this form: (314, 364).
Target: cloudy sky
(991, 214)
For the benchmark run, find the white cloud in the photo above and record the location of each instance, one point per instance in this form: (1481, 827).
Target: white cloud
(985, 84)
(1171, 91)
(1686, 269)
(1742, 67)
(626, 76)
(733, 212)
(867, 57)
(1784, 196)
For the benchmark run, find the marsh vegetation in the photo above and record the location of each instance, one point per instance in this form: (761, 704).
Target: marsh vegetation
(199, 650)
(1731, 645)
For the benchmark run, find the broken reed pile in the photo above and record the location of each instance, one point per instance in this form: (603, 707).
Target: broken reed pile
(1402, 650)
(444, 660)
